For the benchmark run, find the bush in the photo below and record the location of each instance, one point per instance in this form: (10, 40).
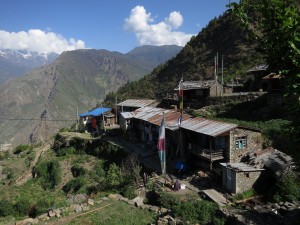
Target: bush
(21, 148)
(114, 176)
(287, 188)
(65, 151)
(128, 192)
(197, 211)
(22, 206)
(168, 200)
(77, 170)
(73, 186)
(6, 208)
(50, 173)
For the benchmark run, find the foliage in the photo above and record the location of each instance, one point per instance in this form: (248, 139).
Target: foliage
(77, 170)
(278, 32)
(114, 176)
(6, 208)
(196, 211)
(49, 173)
(131, 169)
(65, 151)
(21, 148)
(74, 185)
(288, 188)
(128, 191)
(244, 195)
(168, 201)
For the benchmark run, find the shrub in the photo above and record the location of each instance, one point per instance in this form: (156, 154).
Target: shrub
(65, 151)
(6, 208)
(114, 175)
(50, 173)
(197, 211)
(22, 206)
(21, 148)
(168, 200)
(73, 186)
(77, 170)
(128, 192)
(287, 188)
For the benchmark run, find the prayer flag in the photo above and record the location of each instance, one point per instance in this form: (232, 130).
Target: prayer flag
(161, 145)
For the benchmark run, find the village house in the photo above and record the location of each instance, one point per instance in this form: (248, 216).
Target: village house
(198, 141)
(92, 121)
(197, 91)
(255, 75)
(274, 84)
(239, 177)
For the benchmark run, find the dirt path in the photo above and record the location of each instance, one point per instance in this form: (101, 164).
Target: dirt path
(28, 173)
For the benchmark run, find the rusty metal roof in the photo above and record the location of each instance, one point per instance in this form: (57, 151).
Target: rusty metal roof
(209, 127)
(137, 103)
(197, 124)
(154, 116)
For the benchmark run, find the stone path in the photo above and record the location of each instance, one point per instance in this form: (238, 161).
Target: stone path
(215, 196)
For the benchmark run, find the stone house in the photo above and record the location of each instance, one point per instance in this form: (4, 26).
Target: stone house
(215, 141)
(239, 177)
(196, 91)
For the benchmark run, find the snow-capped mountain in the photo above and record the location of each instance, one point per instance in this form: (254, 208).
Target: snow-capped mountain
(16, 63)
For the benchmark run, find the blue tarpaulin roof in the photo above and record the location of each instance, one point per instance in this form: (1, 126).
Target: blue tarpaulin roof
(95, 112)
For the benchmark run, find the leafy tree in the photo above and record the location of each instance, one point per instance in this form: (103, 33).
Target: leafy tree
(275, 24)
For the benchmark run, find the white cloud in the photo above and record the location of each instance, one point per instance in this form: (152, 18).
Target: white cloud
(163, 33)
(38, 41)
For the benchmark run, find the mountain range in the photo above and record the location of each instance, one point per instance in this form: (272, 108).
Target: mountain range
(39, 103)
(15, 63)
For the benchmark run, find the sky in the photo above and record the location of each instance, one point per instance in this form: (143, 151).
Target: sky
(114, 25)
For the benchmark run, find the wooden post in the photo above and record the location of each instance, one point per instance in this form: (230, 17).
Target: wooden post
(210, 147)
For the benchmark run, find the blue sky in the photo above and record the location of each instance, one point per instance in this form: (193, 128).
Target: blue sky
(115, 25)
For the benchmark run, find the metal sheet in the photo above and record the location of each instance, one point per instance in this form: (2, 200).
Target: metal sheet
(208, 127)
(137, 103)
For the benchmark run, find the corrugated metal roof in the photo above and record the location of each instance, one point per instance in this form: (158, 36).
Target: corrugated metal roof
(190, 85)
(208, 127)
(200, 125)
(241, 167)
(137, 102)
(154, 116)
(127, 115)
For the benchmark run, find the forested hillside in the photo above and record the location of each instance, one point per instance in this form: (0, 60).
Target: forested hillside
(223, 35)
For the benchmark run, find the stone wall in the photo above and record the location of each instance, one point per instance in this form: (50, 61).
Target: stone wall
(245, 180)
(254, 143)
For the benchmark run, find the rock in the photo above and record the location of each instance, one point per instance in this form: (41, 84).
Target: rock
(130, 202)
(78, 208)
(112, 196)
(145, 206)
(163, 210)
(85, 208)
(43, 216)
(105, 198)
(77, 199)
(138, 201)
(51, 213)
(154, 208)
(90, 201)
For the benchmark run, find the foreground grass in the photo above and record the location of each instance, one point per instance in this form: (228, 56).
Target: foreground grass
(117, 213)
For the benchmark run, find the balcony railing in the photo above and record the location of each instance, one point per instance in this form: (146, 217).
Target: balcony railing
(210, 155)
